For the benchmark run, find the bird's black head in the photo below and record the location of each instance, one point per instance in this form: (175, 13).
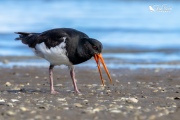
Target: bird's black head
(91, 46)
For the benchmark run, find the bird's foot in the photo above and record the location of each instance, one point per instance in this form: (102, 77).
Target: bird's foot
(54, 92)
(77, 91)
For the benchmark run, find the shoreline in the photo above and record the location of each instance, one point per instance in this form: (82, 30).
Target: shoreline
(112, 63)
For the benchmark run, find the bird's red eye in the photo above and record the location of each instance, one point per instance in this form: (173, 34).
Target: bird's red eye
(95, 47)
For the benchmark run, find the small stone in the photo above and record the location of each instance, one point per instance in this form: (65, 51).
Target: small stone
(78, 105)
(115, 111)
(42, 107)
(132, 100)
(8, 84)
(58, 85)
(85, 100)
(33, 112)
(21, 85)
(61, 99)
(66, 108)
(2, 100)
(108, 91)
(38, 117)
(177, 98)
(38, 84)
(48, 117)
(58, 117)
(10, 104)
(79, 94)
(155, 91)
(159, 88)
(11, 113)
(14, 100)
(36, 77)
(94, 85)
(96, 110)
(93, 91)
(23, 109)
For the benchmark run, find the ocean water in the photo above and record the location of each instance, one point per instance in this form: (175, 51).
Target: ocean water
(132, 34)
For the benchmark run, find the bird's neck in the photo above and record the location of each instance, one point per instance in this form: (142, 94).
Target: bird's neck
(78, 52)
(83, 51)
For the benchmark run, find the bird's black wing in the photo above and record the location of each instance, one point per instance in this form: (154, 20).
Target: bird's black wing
(54, 37)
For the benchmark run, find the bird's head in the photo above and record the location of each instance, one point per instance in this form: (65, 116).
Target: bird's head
(94, 48)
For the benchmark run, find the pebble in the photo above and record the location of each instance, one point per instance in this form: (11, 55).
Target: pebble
(115, 111)
(38, 117)
(36, 77)
(23, 109)
(33, 112)
(10, 104)
(128, 100)
(155, 91)
(2, 100)
(14, 100)
(94, 85)
(8, 84)
(21, 85)
(152, 117)
(58, 85)
(58, 117)
(96, 110)
(11, 113)
(61, 99)
(78, 105)
(108, 91)
(85, 100)
(101, 88)
(66, 108)
(132, 100)
(177, 98)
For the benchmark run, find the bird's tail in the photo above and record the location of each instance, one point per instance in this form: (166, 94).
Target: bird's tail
(27, 38)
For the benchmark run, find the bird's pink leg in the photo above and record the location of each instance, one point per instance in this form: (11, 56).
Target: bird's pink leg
(72, 73)
(51, 79)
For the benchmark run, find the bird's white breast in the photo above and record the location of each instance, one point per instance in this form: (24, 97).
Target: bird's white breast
(55, 55)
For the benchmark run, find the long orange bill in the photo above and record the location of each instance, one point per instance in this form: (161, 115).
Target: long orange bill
(98, 57)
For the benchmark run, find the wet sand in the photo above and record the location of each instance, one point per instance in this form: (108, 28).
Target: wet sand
(151, 94)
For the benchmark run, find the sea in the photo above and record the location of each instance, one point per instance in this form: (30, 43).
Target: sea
(134, 33)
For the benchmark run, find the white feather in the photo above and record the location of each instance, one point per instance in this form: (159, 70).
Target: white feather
(55, 55)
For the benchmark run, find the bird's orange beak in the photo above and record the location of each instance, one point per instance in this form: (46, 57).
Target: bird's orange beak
(98, 57)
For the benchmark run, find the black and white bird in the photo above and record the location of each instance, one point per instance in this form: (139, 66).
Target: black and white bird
(64, 46)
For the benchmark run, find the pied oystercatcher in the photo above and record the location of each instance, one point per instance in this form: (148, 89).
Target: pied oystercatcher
(64, 46)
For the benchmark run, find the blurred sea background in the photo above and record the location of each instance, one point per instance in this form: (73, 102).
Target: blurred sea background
(134, 33)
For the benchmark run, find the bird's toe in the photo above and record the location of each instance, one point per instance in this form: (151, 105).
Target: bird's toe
(54, 92)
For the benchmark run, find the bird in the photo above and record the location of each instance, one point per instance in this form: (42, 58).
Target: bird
(65, 46)
(151, 9)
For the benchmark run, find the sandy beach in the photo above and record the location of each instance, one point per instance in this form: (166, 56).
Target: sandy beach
(151, 94)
